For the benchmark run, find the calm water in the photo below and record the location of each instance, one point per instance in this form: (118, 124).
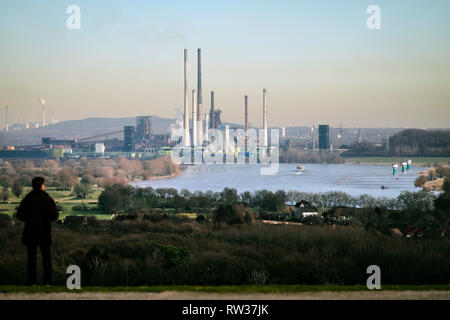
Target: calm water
(355, 179)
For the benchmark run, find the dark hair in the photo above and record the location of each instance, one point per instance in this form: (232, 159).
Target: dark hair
(37, 183)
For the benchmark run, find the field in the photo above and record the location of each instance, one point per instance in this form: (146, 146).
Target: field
(179, 251)
(64, 199)
(422, 161)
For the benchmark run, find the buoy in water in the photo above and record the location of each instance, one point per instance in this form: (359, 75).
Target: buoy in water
(394, 168)
(409, 163)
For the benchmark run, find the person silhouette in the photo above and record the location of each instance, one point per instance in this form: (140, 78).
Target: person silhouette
(38, 210)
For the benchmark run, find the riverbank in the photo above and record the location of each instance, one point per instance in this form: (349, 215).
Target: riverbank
(179, 172)
(418, 161)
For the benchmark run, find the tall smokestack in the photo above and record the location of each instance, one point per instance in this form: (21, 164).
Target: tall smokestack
(194, 119)
(246, 123)
(43, 103)
(211, 113)
(265, 142)
(6, 119)
(199, 95)
(206, 127)
(314, 137)
(246, 114)
(186, 102)
(43, 115)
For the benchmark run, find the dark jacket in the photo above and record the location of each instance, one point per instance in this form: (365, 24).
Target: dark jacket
(37, 210)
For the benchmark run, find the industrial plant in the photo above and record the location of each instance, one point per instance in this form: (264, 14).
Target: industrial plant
(200, 128)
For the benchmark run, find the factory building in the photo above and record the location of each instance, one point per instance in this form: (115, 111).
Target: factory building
(217, 122)
(129, 143)
(324, 137)
(143, 128)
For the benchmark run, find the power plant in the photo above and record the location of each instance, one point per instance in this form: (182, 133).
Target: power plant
(141, 140)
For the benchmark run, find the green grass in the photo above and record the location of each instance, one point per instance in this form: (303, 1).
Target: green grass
(391, 160)
(63, 199)
(226, 289)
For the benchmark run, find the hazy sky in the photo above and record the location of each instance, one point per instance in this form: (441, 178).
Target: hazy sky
(317, 59)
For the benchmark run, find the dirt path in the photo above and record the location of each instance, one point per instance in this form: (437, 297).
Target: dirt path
(186, 295)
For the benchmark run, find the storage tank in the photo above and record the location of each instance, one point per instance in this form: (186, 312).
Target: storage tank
(99, 148)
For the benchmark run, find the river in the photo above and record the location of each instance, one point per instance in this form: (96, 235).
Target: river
(354, 179)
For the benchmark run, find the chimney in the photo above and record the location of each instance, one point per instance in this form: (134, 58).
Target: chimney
(206, 127)
(43, 115)
(314, 137)
(199, 96)
(6, 119)
(246, 124)
(265, 141)
(211, 113)
(186, 102)
(246, 115)
(194, 119)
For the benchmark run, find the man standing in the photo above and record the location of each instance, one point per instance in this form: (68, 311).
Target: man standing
(37, 210)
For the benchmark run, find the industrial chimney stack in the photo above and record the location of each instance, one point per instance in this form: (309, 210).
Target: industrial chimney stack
(211, 113)
(43, 116)
(246, 124)
(6, 119)
(199, 96)
(186, 102)
(265, 141)
(194, 119)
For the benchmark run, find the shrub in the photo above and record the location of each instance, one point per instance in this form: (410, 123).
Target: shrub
(171, 255)
(73, 221)
(82, 190)
(446, 185)
(231, 214)
(4, 195)
(420, 181)
(201, 219)
(17, 188)
(5, 220)
(116, 198)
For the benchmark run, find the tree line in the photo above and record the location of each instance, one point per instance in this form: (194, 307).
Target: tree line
(422, 207)
(80, 175)
(406, 143)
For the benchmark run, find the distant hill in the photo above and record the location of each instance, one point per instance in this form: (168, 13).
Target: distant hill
(71, 129)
